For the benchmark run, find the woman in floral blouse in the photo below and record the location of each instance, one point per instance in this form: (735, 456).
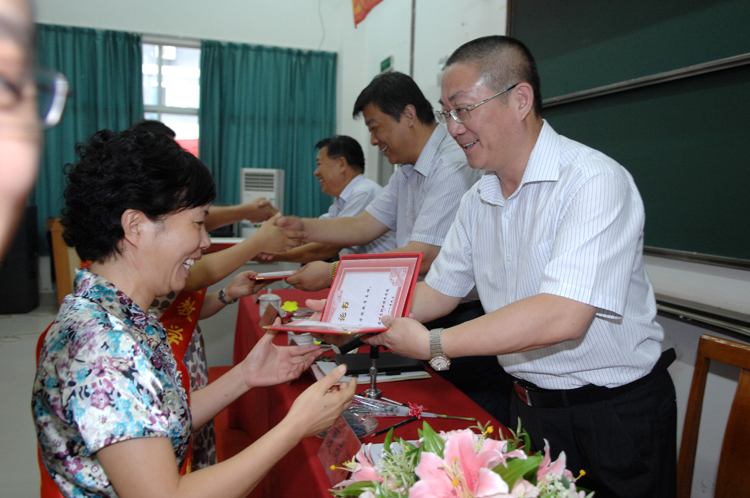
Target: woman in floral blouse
(111, 415)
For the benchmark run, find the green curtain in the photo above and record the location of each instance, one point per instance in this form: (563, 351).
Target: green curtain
(104, 71)
(265, 107)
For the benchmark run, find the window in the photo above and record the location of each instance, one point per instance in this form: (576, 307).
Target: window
(171, 87)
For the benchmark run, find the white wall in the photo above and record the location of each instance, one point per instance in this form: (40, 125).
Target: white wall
(441, 26)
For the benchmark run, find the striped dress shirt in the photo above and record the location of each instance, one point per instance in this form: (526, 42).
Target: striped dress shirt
(573, 228)
(420, 201)
(355, 197)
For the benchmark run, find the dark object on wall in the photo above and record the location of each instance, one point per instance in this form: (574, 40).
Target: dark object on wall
(19, 272)
(661, 88)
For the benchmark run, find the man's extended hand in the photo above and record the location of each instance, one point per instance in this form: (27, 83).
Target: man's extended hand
(262, 257)
(312, 277)
(405, 336)
(291, 223)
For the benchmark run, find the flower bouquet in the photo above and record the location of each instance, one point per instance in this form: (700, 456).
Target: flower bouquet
(458, 464)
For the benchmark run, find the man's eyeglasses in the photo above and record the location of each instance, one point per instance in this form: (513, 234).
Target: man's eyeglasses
(51, 90)
(461, 113)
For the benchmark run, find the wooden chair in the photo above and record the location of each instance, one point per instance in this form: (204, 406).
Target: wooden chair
(731, 480)
(66, 260)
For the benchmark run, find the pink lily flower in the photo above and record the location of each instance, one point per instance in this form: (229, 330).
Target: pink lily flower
(464, 472)
(557, 467)
(524, 489)
(364, 470)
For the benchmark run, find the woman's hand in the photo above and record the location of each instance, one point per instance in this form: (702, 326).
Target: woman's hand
(259, 209)
(318, 407)
(268, 364)
(244, 285)
(278, 239)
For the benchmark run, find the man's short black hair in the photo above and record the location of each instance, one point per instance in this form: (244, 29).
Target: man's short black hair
(391, 93)
(501, 61)
(343, 146)
(153, 126)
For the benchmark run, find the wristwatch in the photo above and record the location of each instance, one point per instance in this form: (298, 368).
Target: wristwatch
(222, 293)
(438, 360)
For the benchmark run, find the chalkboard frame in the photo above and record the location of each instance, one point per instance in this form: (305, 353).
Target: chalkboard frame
(638, 82)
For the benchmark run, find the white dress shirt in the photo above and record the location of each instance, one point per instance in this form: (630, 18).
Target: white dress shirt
(573, 228)
(355, 197)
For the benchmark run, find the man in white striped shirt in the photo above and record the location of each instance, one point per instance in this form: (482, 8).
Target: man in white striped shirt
(552, 237)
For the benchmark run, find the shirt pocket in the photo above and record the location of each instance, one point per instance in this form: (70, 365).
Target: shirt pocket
(532, 261)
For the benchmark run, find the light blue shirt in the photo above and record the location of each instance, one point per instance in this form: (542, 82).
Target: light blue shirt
(352, 201)
(573, 228)
(420, 201)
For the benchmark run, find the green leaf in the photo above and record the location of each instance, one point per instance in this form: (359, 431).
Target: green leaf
(387, 442)
(431, 442)
(518, 468)
(356, 488)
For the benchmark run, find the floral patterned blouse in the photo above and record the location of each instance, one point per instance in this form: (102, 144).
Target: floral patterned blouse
(105, 374)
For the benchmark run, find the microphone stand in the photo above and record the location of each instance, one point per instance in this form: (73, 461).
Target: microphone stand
(373, 392)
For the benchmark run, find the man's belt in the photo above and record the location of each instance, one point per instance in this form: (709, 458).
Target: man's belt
(539, 397)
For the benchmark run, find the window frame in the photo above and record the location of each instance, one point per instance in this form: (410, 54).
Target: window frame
(160, 109)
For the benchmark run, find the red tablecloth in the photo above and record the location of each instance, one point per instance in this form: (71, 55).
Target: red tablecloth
(300, 472)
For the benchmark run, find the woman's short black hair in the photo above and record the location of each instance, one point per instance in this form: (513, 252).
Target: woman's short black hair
(153, 126)
(127, 170)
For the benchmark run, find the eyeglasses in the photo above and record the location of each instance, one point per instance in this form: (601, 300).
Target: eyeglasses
(51, 90)
(461, 113)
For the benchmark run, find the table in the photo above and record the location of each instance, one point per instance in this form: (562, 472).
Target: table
(300, 472)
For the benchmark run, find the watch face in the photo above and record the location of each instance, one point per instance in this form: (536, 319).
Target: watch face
(439, 363)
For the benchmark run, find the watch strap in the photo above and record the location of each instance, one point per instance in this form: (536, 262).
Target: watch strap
(438, 360)
(436, 347)
(222, 298)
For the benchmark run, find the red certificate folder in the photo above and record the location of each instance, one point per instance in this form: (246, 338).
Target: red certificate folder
(273, 275)
(366, 287)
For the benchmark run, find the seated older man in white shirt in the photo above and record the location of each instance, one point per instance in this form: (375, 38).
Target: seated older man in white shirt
(340, 171)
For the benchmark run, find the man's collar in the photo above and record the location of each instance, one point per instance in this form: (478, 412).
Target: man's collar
(543, 166)
(350, 187)
(430, 151)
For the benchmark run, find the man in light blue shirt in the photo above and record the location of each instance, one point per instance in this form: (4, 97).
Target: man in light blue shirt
(422, 196)
(419, 203)
(340, 171)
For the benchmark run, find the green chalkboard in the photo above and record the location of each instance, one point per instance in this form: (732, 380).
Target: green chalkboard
(686, 142)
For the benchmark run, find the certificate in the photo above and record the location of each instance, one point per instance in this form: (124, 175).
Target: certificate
(366, 288)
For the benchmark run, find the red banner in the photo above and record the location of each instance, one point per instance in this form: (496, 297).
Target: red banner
(362, 8)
